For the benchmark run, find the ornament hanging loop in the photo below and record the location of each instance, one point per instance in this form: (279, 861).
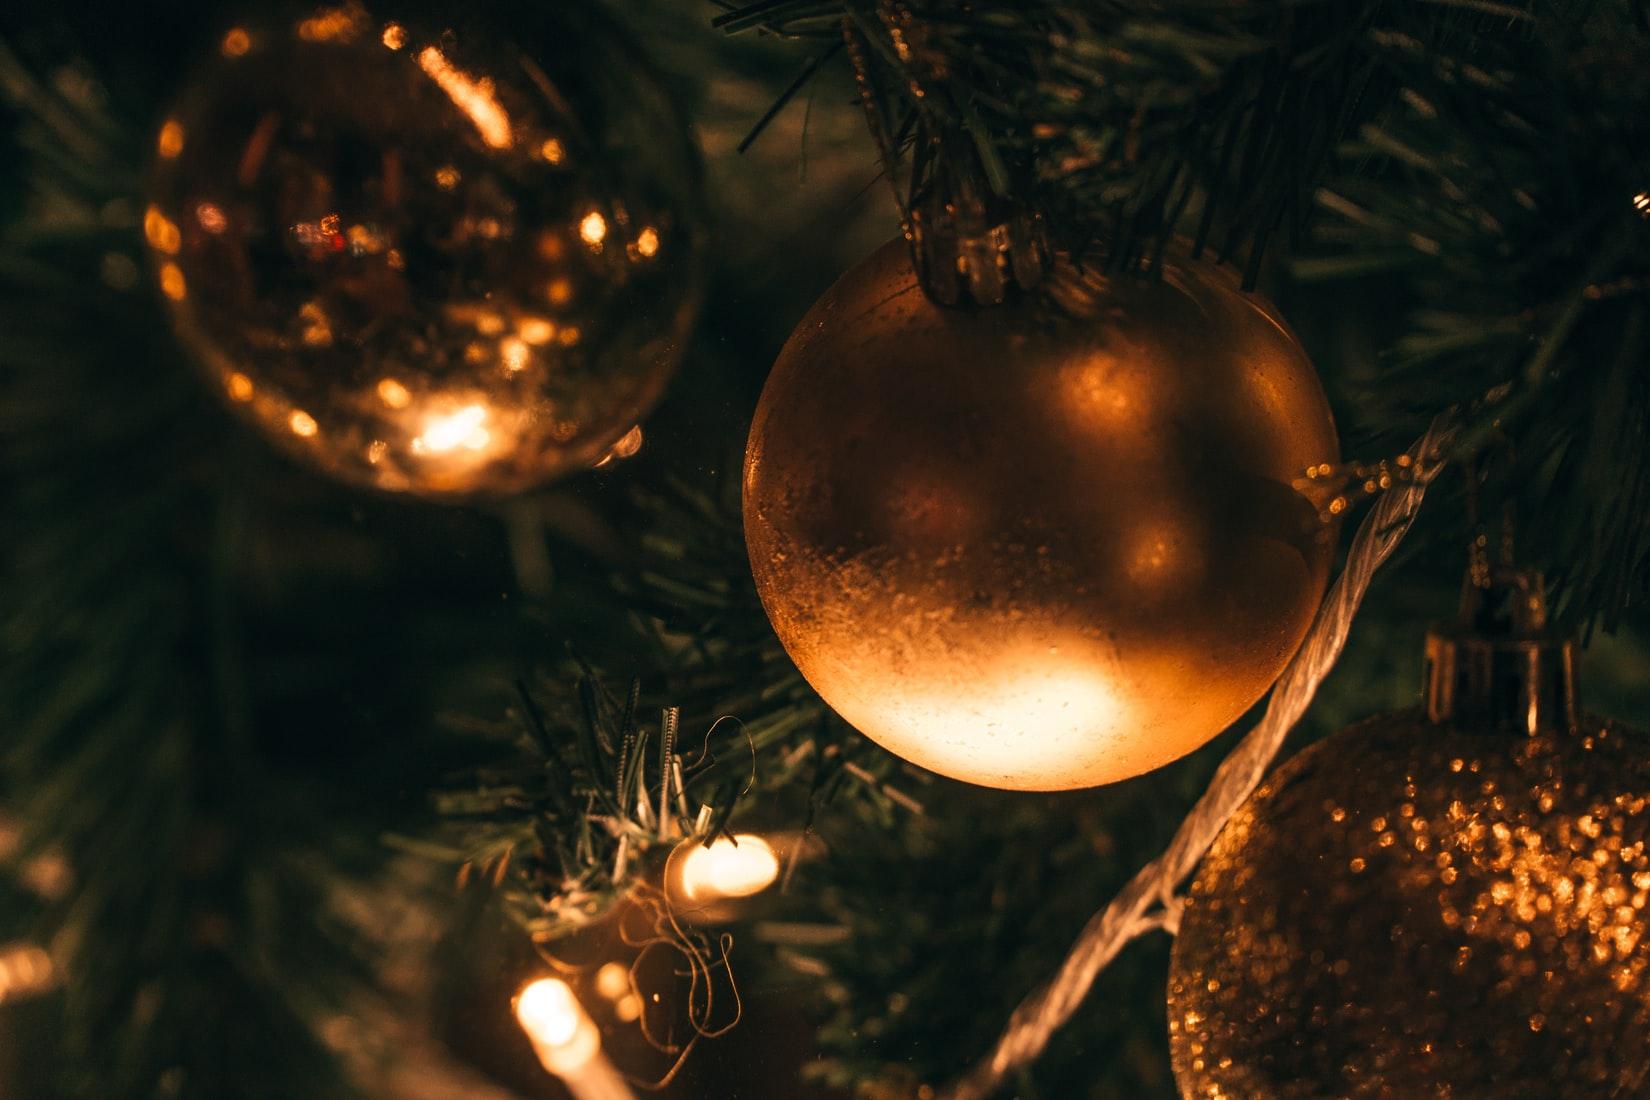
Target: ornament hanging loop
(967, 243)
(970, 242)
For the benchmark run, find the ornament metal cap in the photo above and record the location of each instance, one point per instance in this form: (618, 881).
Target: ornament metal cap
(1499, 665)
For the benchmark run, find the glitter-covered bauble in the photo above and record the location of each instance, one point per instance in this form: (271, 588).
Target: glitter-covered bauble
(1449, 902)
(1042, 545)
(428, 260)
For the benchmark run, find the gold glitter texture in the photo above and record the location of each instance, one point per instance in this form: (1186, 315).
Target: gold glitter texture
(1417, 910)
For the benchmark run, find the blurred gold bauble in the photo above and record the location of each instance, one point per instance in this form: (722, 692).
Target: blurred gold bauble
(425, 261)
(1042, 545)
(1439, 903)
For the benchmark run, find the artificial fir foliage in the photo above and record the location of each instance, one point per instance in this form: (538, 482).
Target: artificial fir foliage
(258, 723)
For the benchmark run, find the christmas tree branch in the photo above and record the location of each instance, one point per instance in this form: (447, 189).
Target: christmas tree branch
(1115, 121)
(1505, 184)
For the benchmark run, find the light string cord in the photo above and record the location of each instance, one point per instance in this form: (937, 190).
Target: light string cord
(1132, 913)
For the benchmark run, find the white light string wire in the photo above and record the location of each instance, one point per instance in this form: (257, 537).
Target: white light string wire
(1131, 913)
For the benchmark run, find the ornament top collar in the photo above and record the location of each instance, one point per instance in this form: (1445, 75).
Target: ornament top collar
(1499, 664)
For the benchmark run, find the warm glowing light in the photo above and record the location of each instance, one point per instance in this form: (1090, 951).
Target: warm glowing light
(302, 424)
(376, 450)
(1103, 392)
(454, 431)
(169, 142)
(629, 1009)
(569, 336)
(333, 25)
(160, 231)
(472, 96)
(514, 353)
(647, 242)
(564, 1037)
(731, 867)
(536, 330)
(25, 969)
(552, 151)
(1641, 202)
(549, 1012)
(395, 36)
(172, 283)
(236, 42)
(317, 331)
(612, 981)
(393, 393)
(560, 291)
(1039, 712)
(593, 229)
(210, 218)
(446, 177)
(239, 386)
(363, 241)
(629, 443)
(1162, 557)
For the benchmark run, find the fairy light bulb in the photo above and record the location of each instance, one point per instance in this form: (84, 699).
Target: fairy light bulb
(567, 1042)
(25, 971)
(562, 1034)
(612, 981)
(730, 867)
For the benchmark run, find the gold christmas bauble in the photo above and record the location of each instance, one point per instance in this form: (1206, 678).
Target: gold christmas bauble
(424, 260)
(1042, 545)
(1430, 904)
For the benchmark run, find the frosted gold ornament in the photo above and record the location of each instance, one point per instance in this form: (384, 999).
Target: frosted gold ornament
(424, 261)
(1042, 545)
(1439, 903)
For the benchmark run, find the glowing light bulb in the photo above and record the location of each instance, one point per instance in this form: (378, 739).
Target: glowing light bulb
(593, 229)
(169, 142)
(161, 232)
(471, 95)
(302, 424)
(172, 282)
(536, 330)
(25, 970)
(549, 1013)
(731, 867)
(612, 981)
(236, 42)
(333, 25)
(211, 218)
(393, 393)
(567, 1042)
(513, 353)
(444, 434)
